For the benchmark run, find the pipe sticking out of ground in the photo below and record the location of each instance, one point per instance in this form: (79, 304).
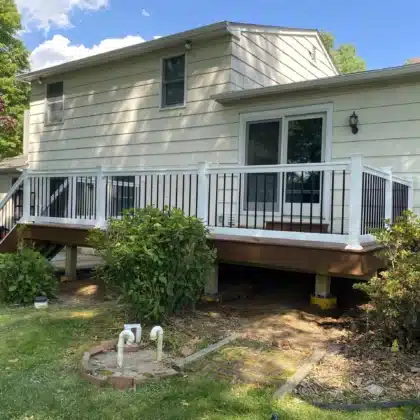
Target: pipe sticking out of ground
(126, 336)
(157, 333)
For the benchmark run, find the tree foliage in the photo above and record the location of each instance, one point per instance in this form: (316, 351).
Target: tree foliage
(14, 59)
(156, 260)
(395, 293)
(345, 56)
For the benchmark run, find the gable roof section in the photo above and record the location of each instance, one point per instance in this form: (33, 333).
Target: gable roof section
(207, 32)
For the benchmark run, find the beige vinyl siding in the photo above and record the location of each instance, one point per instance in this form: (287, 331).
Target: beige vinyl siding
(389, 125)
(112, 115)
(265, 59)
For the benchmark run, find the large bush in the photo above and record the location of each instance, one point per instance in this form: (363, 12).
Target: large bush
(155, 260)
(395, 293)
(24, 275)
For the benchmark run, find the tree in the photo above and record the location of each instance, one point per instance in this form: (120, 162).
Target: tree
(14, 59)
(345, 56)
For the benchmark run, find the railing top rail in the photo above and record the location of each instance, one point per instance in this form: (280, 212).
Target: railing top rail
(400, 180)
(150, 171)
(63, 172)
(375, 171)
(295, 167)
(12, 190)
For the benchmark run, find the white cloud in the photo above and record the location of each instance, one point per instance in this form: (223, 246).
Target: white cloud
(144, 12)
(43, 14)
(59, 49)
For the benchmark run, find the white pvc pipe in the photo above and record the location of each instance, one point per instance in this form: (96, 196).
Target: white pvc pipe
(157, 333)
(136, 327)
(126, 336)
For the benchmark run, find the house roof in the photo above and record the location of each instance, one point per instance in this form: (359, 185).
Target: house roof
(13, 164)
(202, 33)
(410, 72)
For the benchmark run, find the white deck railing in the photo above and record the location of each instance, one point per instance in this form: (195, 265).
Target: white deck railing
(328, 202)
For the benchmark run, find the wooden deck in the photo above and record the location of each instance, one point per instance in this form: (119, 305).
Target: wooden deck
(293, 255)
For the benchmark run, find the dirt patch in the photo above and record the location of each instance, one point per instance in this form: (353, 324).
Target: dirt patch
(361, 369)
(251, 362)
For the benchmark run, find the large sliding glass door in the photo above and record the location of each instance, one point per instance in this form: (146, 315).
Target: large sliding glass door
(297, 139)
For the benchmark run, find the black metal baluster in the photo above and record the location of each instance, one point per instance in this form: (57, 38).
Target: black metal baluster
(311, 208)
(176, 191)
(248, 177)
(231, 201)
(183, 193)
(217, 206)
(274, 184)
(321, 199)
(170, 192)
(283, 198)
(256, 201)
(189, 195)
(157, 191)
(145, 191)
(265, 198)
(164, 187)
(292, 199)
(239, 199)
(151, 190)
(301, 203)
(224, 200)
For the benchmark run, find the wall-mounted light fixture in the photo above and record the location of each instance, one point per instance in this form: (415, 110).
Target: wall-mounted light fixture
(354, 122)
(188, 45)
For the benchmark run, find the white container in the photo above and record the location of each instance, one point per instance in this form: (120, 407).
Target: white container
(41, 302)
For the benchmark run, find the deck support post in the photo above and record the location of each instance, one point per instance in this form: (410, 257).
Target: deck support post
(211, 288)
(355, 202)
(71, 263)
(322, 297)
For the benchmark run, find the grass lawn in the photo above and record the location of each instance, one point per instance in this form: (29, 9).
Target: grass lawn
(39, 356)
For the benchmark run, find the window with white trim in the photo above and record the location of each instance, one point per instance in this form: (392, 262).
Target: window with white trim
(54, 112)
(173, 81)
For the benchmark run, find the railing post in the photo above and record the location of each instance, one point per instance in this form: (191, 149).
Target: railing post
(355, 202)
(410, 200)
(100, 199)
(202, 201)
(26, 197)
(388, 193)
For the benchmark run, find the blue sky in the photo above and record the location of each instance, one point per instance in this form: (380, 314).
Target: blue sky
(385, 33)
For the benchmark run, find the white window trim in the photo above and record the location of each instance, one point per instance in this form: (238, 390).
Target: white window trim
(162, 70)
(46, 120)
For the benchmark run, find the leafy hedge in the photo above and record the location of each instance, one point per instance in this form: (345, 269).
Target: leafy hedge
(24, 275)
(395, 293)
(155, 260)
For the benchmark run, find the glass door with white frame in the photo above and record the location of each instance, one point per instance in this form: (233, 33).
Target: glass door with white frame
(297, 139)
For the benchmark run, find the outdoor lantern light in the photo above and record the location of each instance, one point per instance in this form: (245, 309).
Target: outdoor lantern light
(353, 122)
(188, 45)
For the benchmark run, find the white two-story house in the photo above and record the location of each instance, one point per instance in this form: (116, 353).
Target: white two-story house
(249, 127)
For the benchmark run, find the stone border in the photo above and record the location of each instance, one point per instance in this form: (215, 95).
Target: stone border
(117, 382)
(301, 373)
(180, 363)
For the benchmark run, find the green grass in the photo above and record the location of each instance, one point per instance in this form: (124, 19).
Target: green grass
(39, 356)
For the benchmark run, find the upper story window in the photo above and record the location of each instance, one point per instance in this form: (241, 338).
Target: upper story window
(55, 103)
(173, 81)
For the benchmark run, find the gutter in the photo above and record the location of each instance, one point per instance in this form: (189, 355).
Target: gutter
(405, 72)
(202, 33)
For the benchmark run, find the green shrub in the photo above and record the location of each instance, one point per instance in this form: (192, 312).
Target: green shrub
(155, 260)
(25, 274)
(395, 293)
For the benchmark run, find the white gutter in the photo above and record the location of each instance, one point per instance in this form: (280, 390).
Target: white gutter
(352, 79)
(205, 32)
